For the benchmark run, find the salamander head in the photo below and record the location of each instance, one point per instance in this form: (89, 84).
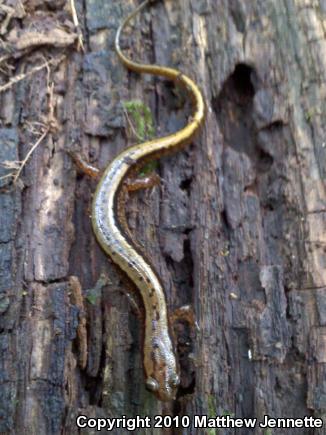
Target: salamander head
(162, 377)
(165, 390)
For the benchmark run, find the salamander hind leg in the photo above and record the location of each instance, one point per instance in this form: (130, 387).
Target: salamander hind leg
(185, 313)
(83, 166)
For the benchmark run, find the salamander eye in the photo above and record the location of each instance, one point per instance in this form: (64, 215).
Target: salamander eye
(151, 384)
(175, 381)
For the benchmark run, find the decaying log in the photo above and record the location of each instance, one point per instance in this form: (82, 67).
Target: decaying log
(236, 229)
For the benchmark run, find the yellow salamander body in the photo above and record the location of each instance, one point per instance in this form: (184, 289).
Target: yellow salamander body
(160, 365)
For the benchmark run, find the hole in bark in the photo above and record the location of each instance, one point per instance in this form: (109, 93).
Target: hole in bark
(93, 387)
(233, 109)
(241, 80)
(265, 161)
(187, 231)
(275, 125)
(269, 207)
(224, 220)
(185, 184)
(185, 342)
(190, 389)
(79, 176)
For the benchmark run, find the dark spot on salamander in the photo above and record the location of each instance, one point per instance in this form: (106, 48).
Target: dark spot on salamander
(148, 280)
(141, 278)
(155, 346)
(128, 160)
(130, 265)
(157, 315)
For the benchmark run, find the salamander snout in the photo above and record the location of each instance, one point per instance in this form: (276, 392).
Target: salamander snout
(165, 390)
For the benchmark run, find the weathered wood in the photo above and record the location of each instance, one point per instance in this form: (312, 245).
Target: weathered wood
(236, 229)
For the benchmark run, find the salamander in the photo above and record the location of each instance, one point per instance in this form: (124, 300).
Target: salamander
(112, 233)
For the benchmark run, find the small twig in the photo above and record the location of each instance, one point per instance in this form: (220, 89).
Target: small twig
(30, 152)
(11, 174)
(10, 164)
(20, 77)
(51, 104)
(3, 71)
(51, 125)
(5, 57)
(5, 23)
(80, 45)
(32, 125)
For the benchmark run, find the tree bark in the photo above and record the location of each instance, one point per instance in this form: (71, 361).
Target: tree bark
(236, 229)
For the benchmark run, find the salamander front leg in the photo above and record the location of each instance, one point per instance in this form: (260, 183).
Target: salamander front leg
(83, 166)
(134, 184)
